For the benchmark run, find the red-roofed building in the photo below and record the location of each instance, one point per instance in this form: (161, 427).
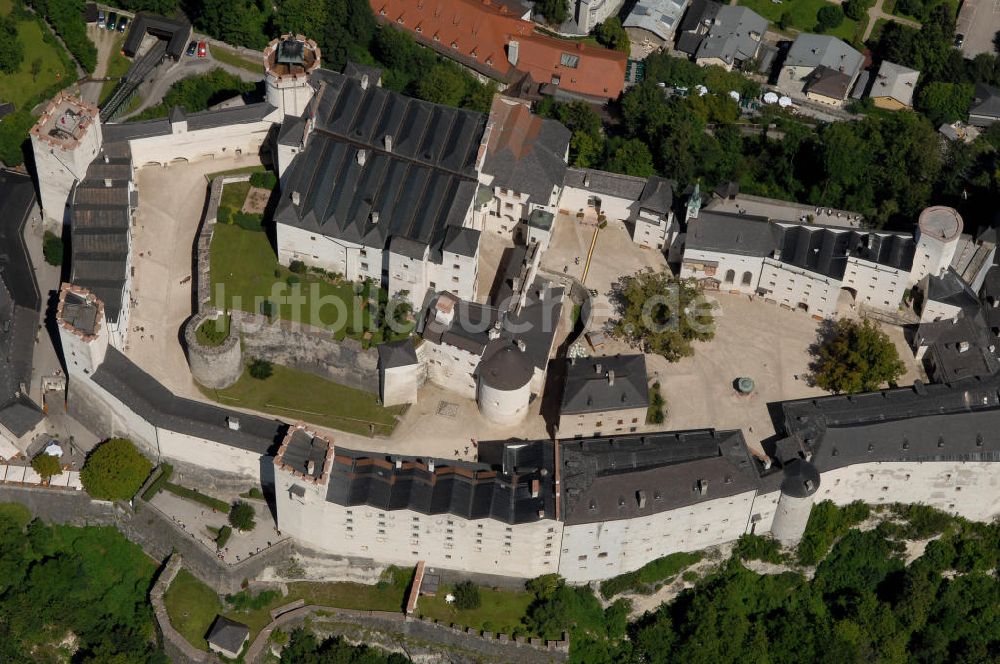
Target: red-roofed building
(487, 38)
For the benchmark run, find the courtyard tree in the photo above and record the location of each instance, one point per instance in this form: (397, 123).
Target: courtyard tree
(661, 314)
(854, 356)
(115, 470)
(46, 466)
(829, 17)
(555, 12)
(261, 369)
(241, 516)
(466, 596)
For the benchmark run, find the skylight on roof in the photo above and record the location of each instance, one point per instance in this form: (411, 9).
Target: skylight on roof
(569, 60)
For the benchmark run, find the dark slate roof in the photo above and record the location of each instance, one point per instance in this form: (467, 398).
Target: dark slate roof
(602, 182)
(155, 403)
(824, 249)
(957, 421)
(689, 42)
(17, 199)
(657, 196)
(99, 218)
(126, 131)
(948, 288)
(303, 448)
(811, 50)
(420, 184)
(525, 153)
(175, 32)
(731, 36)
(357, 71)
(20, 304)
(507, 369)
(500, 487)
(698, 13)
(462, 241)
(176, 115)
(534, 324)
(985, 105)
(625, 477)
(228, 634)
(800, 479)
(730, 233)
(80, 313)
(220, 117)
(292, 130)
(829, 82)
(397, 354)
(589, 388)
(962, 348)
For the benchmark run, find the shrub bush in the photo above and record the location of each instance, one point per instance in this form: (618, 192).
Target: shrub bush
(826, 523)
(467, 596)
(264, 180)
(298, 267)
(46, 465)
(755, 547)
(114, 470)
(52, 248)
(248, 222)
(261, 369)
(223, 537)
(166, 470)
(645, 577)
(224, 215)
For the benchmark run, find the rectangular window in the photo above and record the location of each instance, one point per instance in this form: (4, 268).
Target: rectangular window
(569, 60)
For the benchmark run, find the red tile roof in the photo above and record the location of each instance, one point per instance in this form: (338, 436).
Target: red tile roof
(477, 33)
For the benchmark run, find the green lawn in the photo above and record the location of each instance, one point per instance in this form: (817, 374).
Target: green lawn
(192, 607)
(228, 57)
(803, 16)
(245, 263)
(234, 194)
(21, 87)
(291, 395)
(499, 610)
(118, 65)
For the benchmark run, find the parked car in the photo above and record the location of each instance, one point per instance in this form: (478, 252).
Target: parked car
(122, 24)
(112, 21)
(100, 18)
(202, 49)
(959, 40)
(192, 48)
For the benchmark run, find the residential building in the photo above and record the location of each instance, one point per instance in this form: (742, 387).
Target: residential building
(725, 35)
(796, 265)
(894, 86)
(588, 14)
(406, 174)
(20, 315)
(985, 108)
(652, 221)
(400, 372)
(820, 67)
(963, 347)
(494, 516)
(653, 22)
(603, 395)
(523, 170)
(174, 35)
(944, 297)
(489, 39)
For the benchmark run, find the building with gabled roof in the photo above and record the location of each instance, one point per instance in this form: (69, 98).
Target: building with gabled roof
(654, 21)
(603, 395)
(985, 106)
(227, 637)
(490, 39)
(726, 35)
(894, 86)
(820, 67)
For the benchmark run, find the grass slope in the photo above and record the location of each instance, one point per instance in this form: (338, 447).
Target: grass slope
(192, 607)
(21, 87)
(803, 16)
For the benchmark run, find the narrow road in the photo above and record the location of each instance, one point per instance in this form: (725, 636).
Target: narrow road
(877, 12)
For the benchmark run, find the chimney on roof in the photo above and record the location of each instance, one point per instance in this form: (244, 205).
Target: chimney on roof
(703, 487)
(107, 183)
(521, 346)
(767, 463)
(513, 49)
(388, 142)
(234, 423)
(107, 159)
(963, 346)
(611, 378)
(295, 198)
(399, 464)
(362, 157)
(374, 216)
(598, 368)
(586, 179)
(640, 497)
(364, 81)
(494, 332)
(535, 488)
(310, 467)
(430, 465)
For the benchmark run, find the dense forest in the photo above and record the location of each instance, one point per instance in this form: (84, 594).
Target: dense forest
(73, 595)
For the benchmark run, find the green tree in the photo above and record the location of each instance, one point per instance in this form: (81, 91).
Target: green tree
(261, 369)
(661, 314)
(855, 357)
(301, 17)
(466, 596)
(555, 12)
(786, 21)
(857, 10)
(631, 158)
(611, 34)
(944, 103)
(444, 84)
(11, 48)
(114, 470)
(52, 248)
(241, 516)
(828, 18)
(46, 465)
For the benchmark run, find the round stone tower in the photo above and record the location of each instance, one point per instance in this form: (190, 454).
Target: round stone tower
(288, 62)
(938, 231)
(798, 491)
(215, 367)
(505, 386)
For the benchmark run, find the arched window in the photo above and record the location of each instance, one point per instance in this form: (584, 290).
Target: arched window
(747, 278)
(730, 276)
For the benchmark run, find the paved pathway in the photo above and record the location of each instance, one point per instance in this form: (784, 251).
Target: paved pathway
(877, 12)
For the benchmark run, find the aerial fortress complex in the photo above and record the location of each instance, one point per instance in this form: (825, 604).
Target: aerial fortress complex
(377, 186)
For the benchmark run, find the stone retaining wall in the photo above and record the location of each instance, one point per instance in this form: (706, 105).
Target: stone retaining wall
(175, 645)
